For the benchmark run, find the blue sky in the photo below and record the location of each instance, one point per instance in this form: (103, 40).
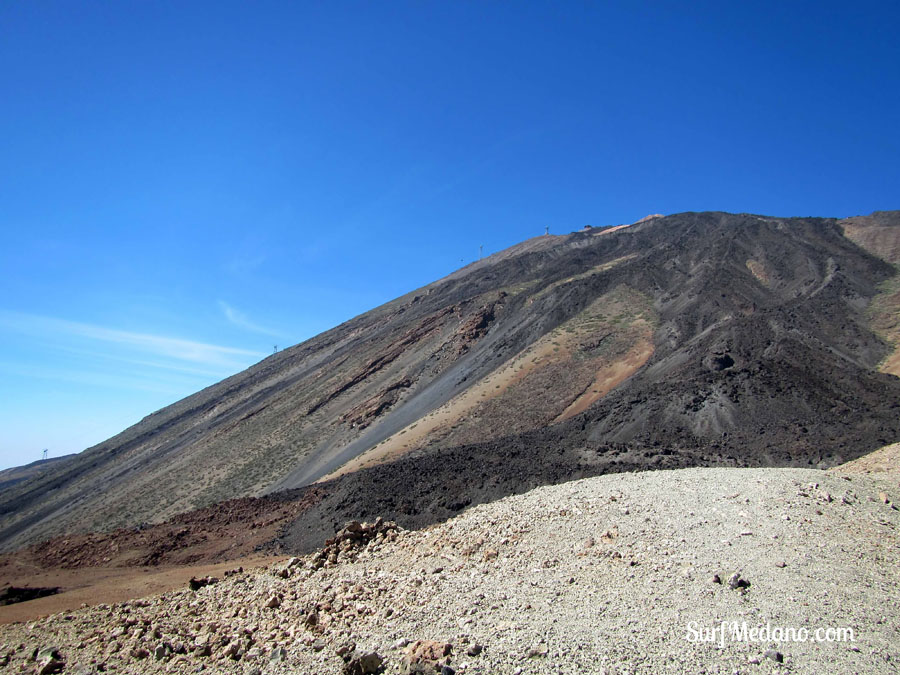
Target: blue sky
(184, 185)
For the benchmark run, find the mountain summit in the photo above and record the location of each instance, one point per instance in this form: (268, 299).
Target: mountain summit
(686, 340)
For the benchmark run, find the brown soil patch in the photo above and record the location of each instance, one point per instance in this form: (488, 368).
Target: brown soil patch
(884, 316)
(608, 230)
(94, 586)
(610, 377)
(130, 563)
(892, 364)
(880, 236)
(885, 461)
(757, 270)
(225, 531)
(875, 233)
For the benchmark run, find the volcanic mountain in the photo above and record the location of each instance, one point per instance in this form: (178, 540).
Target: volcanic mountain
(696, 339)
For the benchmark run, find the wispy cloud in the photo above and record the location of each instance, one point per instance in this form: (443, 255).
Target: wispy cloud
(188, 351)
(99, 378)
(155, 364)
(239, 319)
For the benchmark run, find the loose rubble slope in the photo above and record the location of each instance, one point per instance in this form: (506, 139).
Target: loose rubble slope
(598, 575)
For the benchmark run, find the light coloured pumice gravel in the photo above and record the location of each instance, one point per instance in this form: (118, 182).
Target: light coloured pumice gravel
(616, 574)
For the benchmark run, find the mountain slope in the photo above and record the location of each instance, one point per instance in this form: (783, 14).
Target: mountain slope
(698, 338)
(17, 474)
(878, 235)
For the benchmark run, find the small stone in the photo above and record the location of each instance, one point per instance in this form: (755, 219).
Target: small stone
(278, 655)
(537, 651)
(273, 602)
(345, 650)
(735, 582)
(427, 654)
(753, 660)
(139, 653)
(447, 670)
(778, 657)
(196, 584)
(474, 650)
(884, 498)
(160, 652)
(363, 663)
(716, 579)
(781, 564)
(45, 653)
(51, 666)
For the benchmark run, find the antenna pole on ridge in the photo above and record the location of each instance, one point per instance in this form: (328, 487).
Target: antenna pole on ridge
(547, 231)
(44, 455)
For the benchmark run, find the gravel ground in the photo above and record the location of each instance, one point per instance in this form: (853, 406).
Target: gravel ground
(607, 574)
